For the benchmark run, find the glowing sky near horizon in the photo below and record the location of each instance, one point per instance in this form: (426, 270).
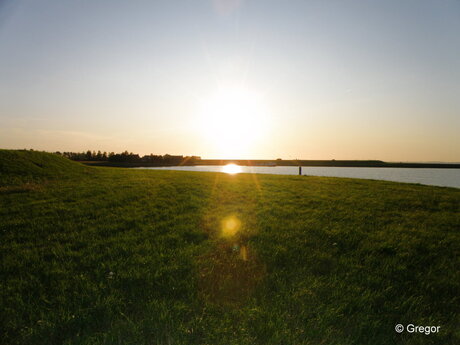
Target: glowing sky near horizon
(321, 79)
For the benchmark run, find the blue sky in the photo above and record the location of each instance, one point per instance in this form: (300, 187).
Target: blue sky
(324, 79)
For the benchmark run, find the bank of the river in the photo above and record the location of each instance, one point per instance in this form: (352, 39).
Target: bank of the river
(106, 256)
(428, 176)
(286, 163)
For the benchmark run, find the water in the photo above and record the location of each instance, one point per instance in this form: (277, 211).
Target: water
(434, 177)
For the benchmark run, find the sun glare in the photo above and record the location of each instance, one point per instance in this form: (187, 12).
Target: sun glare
(232, 120)
(230, 226)
(231, 169)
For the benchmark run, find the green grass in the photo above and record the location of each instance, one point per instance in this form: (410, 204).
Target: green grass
(21, 166)
(118, 256)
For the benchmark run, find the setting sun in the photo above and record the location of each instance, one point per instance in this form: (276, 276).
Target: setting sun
(233, 119)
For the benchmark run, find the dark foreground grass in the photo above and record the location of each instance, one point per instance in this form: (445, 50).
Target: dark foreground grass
(118, 256)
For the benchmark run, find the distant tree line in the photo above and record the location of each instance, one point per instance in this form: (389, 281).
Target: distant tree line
(129, 157)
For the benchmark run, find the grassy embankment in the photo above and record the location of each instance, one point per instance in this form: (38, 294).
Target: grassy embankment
(117, 256)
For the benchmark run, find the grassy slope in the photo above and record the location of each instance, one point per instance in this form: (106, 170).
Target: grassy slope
(118, 256)
(22, 166)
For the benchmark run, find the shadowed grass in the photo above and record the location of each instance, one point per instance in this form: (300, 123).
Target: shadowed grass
(118, 256)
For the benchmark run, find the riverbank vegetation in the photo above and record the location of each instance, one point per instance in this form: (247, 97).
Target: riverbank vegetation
(130, 159)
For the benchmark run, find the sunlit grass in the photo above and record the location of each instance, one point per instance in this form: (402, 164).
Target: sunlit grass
(118, 256)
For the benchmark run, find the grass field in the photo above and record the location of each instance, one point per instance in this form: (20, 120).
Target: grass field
(117, 256)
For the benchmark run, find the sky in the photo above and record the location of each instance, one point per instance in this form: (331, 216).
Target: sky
(260, 79)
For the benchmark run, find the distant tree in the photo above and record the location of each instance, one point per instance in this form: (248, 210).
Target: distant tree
(130, 157)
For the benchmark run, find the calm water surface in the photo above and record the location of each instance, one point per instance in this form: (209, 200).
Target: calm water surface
(435, 177)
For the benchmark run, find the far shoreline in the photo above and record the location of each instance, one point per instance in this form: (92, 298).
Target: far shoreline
(273, 163)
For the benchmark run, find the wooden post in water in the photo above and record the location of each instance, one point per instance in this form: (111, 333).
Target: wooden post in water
(300, 170)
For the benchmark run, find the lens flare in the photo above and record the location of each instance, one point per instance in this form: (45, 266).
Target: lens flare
(230, 227)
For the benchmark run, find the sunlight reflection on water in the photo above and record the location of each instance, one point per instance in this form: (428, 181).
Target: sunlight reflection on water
(428, 176)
